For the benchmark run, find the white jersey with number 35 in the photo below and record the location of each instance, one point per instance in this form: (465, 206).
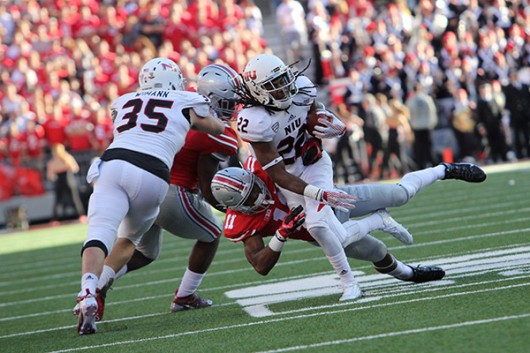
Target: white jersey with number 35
(152, 122)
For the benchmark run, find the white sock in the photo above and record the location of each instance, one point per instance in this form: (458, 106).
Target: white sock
(415, 181)
(401, 271)
(107, 275)
(342, 267)
(190, 283)
(89, 281)
(331, 245)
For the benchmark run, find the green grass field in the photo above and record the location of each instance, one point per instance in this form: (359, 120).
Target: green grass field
(479, 233)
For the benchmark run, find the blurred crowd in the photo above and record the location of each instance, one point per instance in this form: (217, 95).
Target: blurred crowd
(62, 63)
(418, 81)
(423, 81)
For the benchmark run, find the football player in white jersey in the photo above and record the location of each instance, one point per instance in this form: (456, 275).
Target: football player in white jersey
(273, 122)
(186, 211)
(131, 178)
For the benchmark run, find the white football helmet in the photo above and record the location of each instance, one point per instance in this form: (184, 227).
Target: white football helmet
(270, 81)
(232, 187)
(161, 74)
(221, 84)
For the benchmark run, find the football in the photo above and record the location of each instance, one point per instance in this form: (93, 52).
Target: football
(312, 120)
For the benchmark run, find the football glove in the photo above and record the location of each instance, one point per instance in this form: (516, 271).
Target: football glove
(336, 199)
(333, 128)
(294, 219)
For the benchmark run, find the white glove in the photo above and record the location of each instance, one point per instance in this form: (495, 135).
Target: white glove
(334, 128)
(336, 199)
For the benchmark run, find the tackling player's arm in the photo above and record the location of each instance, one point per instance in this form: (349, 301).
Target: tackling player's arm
(264, 258)
(261, 257)
(208, 123)
(207, 166)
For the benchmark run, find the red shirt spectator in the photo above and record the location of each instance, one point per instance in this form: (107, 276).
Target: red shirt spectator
(102, 133)
(35, 139)
(15, 145)
(54, 127)
(177, 28)
(87, 24)
(79, 132)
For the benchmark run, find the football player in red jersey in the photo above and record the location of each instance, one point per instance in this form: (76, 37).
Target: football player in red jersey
(186, 211)
(256, 209)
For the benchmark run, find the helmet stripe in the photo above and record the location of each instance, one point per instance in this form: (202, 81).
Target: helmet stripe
(232, 74)
(229, 182)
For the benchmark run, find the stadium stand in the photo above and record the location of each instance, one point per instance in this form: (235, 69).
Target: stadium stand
(60, 67)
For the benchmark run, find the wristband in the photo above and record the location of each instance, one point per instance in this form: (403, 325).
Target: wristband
(313, 192)
(276, 244)
(280, 236)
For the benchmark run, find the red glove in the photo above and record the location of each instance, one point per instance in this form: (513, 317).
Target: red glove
(294, 219)
(311, 151)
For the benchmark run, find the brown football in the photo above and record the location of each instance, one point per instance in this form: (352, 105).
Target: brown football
(312, 120)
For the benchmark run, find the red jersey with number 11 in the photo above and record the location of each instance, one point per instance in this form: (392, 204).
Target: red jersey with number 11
(240, 226)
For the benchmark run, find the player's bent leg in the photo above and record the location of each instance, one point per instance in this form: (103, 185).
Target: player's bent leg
(201, 257)
(372, 197)
(416, 181)
(187, 215)
(367, 249)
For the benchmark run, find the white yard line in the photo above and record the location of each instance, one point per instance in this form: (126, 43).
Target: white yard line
(399, 333)
(249, 268)
(323, 307)
(298, 317)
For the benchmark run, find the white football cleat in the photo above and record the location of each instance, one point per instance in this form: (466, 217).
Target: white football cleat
(86, 313)
(392, 227)
(351, 292)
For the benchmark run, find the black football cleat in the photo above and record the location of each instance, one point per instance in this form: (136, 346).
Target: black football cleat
(464, 171)
(423, 274)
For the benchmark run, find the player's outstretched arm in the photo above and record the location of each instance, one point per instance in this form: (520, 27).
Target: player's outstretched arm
(210, 124)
